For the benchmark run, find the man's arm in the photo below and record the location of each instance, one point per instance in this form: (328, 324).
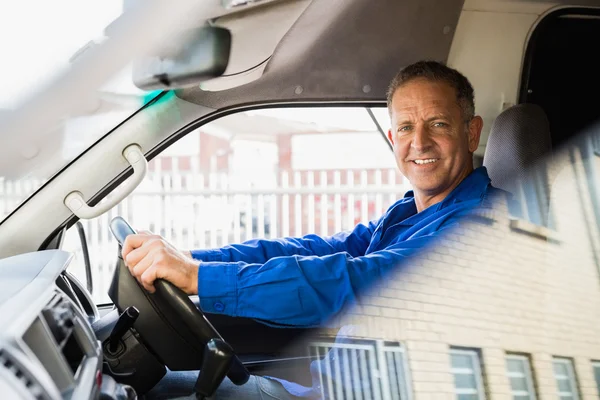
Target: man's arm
(293, 290)
(150, 257)
(260, 251)
(298, 290)
(290, 290)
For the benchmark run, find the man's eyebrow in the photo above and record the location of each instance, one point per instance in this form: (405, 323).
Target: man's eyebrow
(438, 116)
(432, 118)
(405, 122)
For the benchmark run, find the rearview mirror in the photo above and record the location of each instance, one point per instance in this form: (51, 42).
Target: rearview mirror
(202, 54)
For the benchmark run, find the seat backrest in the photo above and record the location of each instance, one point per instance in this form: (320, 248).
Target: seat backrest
(517, 144)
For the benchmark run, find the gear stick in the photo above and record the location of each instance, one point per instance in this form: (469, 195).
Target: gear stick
(217, 360)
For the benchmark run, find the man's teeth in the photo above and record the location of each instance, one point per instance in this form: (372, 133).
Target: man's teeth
(430, 160)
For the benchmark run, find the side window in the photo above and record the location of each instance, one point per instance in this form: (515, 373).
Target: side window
(590, 153)
(564, 373)
(531, 199)
(377, 369)
(596, 366)
(468, 380)
(518, 370)
(256, 174)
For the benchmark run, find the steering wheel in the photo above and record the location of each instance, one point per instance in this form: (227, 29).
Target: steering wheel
(168, 323)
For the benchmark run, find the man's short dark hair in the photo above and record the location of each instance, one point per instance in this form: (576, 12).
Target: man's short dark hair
(436, 72)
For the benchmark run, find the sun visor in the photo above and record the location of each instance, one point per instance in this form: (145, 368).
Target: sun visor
(341, 50)
(255, 34)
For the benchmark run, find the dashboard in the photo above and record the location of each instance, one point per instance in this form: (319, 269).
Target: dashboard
(48, 349)
(55, 345)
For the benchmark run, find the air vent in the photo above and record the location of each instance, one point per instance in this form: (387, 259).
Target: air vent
(23, 376)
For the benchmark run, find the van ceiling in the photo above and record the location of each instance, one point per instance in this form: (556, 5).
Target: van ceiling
(345, 50)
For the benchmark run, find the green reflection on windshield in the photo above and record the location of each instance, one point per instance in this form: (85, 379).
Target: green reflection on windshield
(148, 97)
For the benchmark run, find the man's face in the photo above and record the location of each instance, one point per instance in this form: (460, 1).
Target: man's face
(432, 142)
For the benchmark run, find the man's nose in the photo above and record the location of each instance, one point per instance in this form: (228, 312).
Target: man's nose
(421, 139)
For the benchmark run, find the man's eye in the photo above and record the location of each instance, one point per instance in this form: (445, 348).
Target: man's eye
(440, 124)
(404, 129)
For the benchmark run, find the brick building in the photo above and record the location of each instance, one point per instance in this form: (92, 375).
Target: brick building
(499, 308)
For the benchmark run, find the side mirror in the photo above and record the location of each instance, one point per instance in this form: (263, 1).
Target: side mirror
(201, 54)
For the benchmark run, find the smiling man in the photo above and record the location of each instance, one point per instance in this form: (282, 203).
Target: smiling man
(434, 129)
(434, 134)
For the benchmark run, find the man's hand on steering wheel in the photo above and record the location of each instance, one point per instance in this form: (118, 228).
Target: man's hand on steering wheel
(150, 257)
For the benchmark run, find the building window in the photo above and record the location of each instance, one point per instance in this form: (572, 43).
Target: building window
(518, 370)
(356, 369)
(596, 366)
(466, 368)
(564, 373)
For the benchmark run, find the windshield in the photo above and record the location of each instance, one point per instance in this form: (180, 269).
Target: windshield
(37, 47)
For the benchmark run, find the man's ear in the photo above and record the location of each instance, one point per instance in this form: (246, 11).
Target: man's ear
(475, 127)
(390, 136)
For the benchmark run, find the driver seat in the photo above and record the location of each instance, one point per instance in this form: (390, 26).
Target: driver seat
(518, 144)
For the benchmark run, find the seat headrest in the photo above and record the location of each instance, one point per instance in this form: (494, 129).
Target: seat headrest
(519, 137)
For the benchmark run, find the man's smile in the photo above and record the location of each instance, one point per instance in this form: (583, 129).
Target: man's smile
(424, 161)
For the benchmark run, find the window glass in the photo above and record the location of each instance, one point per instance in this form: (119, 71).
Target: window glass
(41, 45)
(564, 386)
(462, 361)
(518, 384)
(467, 374)
(467, 397)
(596, 366)
(560, 368)
(519, 373)
(564, 373)
(465, 380)
(590, 152)
(377, 369)
(256, 174)
(515, 365)
(382, 116)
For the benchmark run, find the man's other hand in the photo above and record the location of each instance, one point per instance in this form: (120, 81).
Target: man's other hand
(150, 257)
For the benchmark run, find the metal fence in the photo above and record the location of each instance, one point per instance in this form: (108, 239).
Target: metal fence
(194, 210)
